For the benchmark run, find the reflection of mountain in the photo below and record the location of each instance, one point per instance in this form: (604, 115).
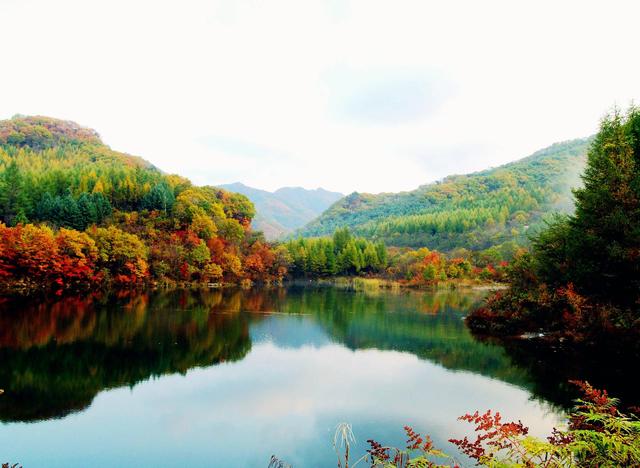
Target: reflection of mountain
(390, 322)
(57, 357)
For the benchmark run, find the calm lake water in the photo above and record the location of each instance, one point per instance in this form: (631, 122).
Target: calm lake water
(228, 378)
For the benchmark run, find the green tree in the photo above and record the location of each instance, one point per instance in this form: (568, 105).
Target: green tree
(160, 197)
(70, 215)
(331, 265)
(87, 209)
(429, 273)
(349, 260)
(371, 260)
(340, 239)
(11, 192)
(598, 248)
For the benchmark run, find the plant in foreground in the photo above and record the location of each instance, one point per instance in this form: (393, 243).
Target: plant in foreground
(597, 435)
(419, 452)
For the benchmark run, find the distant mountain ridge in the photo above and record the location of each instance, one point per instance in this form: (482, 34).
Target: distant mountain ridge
(476, 211)
(285, 210)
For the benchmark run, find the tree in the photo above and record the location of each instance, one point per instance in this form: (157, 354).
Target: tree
(349, 260)
(70, 215)
(607, 218)
(87, 209)
(11, 192)
(124, 255)
(429, 273)
(598, 248)
(160, 197)
(371, 260)
(340, 239)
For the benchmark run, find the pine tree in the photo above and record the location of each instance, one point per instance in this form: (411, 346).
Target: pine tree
(340, 239)
(11, 192)
(598, 248)
(371, 260)
(103, 206)
(381, 250)
(160, 197)
(44, 208)
(70, 215)
(349, 259)
(20, 218)
(317, 259)
(88, 211)
(606, 224)
(331, 264)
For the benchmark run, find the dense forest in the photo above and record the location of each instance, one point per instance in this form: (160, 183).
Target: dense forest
(581, 279)
(347, 255)
(74, 213)
(496, 208)
(77, 213)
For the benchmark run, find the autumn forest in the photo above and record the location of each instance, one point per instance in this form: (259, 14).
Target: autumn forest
(561, 268)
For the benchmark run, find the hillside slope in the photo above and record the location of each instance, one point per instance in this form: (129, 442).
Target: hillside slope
(75, 214)
(474, 211)
(46, 160)
(288, 208)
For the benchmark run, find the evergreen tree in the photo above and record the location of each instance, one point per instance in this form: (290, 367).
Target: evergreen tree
(331, 266)
(381, 251)
(11, 192)
(598, 248)
(606, 224)
(44, 208)
(102, 204)
(160, 197)
(70, 215)
(340, 239)
(349, 259)
(317, 259)
(88, 211)
(371, 260)
(20, 218)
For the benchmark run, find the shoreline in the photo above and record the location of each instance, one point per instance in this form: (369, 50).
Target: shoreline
(353, 283)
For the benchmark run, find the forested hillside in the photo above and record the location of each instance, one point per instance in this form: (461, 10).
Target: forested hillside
(73, 213)
(587, 264)
(285, 210)
(493, 208)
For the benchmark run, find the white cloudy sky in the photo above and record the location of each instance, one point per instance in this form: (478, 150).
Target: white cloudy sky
(360, 95)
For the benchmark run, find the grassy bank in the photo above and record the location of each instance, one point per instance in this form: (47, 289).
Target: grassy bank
(356, 283)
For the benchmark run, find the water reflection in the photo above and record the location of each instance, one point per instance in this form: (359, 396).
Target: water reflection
(57, 357)
(278, 368)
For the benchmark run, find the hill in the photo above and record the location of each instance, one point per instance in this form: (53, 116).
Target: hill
(285, 210)
(74, 213)
(498, 206)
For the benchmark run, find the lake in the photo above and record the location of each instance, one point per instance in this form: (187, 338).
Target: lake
(230, 377)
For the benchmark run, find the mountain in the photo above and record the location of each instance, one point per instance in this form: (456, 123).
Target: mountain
(288, 208)
(475, 211)
(75, 214)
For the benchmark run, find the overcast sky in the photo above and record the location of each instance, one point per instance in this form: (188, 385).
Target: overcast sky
(346, 95)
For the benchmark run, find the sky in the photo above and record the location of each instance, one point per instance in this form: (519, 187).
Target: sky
(363, 95)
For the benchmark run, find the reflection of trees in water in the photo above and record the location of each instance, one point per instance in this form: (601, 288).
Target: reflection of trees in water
(389, 322)
(56, 357)
(611, 366)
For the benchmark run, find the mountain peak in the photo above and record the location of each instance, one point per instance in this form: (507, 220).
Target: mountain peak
(475, 211)
(39, 132)
(285, 209)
